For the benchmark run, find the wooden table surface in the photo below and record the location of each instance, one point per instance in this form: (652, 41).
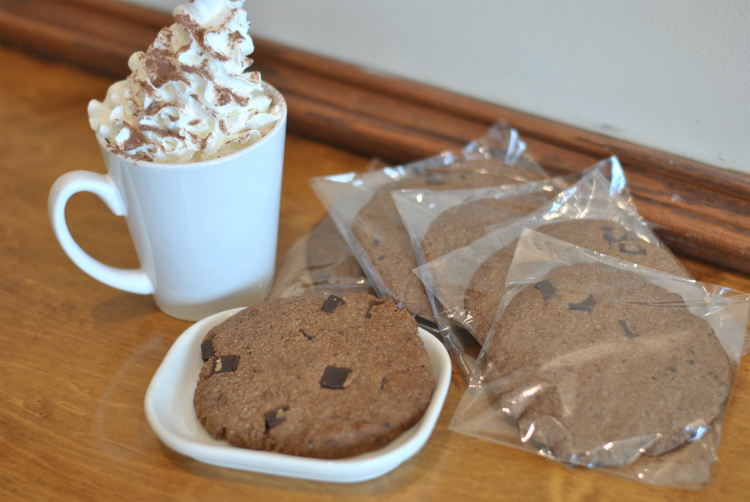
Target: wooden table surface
(76, 356)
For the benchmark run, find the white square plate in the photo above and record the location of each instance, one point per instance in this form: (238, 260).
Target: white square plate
(170, 412)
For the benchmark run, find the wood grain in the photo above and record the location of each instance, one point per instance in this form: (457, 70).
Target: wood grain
(77, 356)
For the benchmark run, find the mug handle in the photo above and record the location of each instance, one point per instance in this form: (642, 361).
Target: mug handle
(130, 280)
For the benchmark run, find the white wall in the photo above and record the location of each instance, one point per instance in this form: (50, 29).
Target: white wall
(669, 74)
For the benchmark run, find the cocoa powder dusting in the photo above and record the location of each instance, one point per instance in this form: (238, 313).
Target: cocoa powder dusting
(254, 77)
(191, 27)
(157, 106)
(235, 39)
(203, 70)
(137, 156)
(161, 69)
(199, 35)
(164, 37)
(162, 133)
(240, 139)
(150, 91)
(135, 139)
(225, 95)
(200, 142)
(209, 110)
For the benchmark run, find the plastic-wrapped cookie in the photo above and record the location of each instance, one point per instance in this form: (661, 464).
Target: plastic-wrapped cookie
(328, 255)
(384, 241)
(599, 366)
(487, 285)
(311, 377)
(459, 226)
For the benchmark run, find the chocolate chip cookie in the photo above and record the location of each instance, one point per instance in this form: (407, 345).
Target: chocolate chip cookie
(487, 285)
(328, 255)
(311, 377)
(598, 366)
(384, 248)
(459, 226)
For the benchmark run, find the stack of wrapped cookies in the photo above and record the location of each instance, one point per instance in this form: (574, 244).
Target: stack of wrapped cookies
(580, 336)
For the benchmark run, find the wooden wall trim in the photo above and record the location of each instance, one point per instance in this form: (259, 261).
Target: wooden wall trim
(699, 210)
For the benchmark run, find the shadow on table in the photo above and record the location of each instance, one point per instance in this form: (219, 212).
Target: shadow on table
(124, 307)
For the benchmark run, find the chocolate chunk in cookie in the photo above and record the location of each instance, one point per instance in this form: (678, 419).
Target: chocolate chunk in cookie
(276, 417)
(334, 378)
(547, 289)
(332, 303)
(225, 364)
(207, 350)
(631, 248)
(628, 333)
(586, 305)
(374, 304)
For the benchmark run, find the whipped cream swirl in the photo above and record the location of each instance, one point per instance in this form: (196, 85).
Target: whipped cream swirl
(188, 97)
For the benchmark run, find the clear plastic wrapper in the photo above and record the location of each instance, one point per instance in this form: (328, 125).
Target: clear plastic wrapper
(596, 211)
(363, 210)
(439, 222)
(320, 264)
(598, 362)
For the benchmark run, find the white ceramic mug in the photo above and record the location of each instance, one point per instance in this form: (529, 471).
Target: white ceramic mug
(205, 232)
